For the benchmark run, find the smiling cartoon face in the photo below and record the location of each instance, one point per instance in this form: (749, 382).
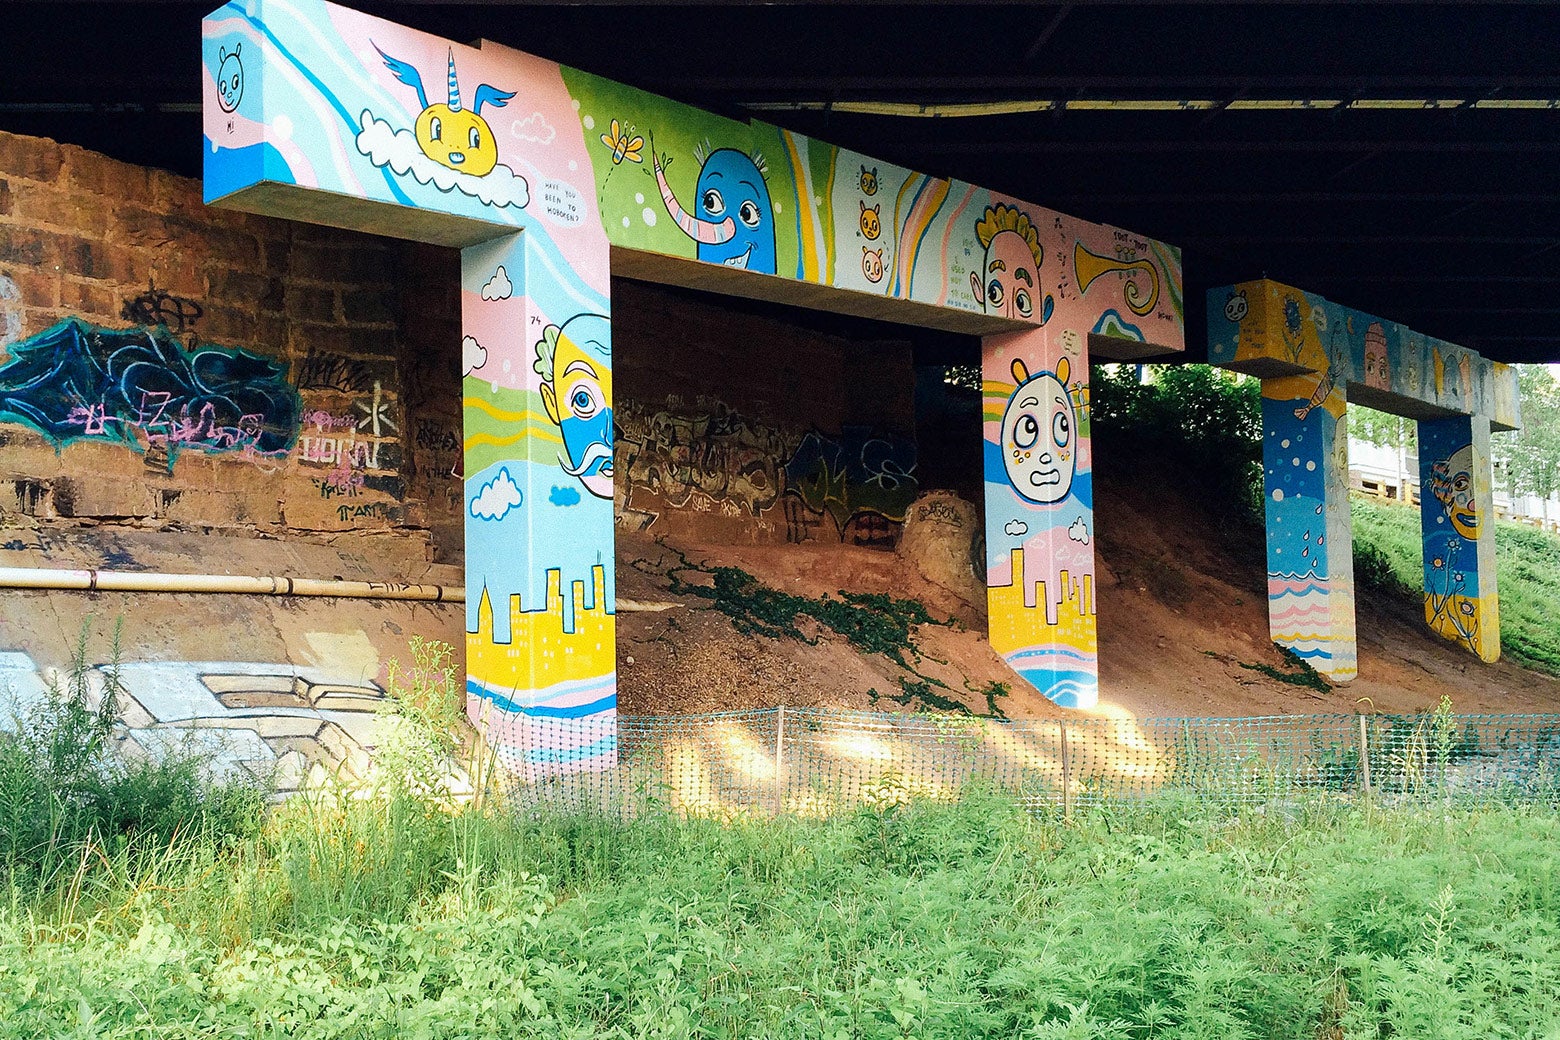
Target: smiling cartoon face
(869, 181)
(1451, 482)
(577, 392)
(1377, 374)
(731, 187)
(872, 264)
(1039, 435)
(1235, 306)
(461, 140)
(230, 78)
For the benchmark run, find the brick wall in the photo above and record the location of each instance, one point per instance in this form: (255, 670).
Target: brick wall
(735, 427)
(305, 380)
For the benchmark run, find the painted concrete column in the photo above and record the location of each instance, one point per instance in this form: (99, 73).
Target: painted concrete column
(1310, 551)
(1040, 511)
(1457, 516)
(537, 405)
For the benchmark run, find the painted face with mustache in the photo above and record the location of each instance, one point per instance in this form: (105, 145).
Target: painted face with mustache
(578, 398)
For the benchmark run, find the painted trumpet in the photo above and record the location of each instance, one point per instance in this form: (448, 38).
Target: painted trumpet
(1090, 266)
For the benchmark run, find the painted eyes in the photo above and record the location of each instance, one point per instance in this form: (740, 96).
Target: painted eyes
(1061, 429)
(1026, 431)
(235, 81)
(748, 213)
(476, 138)
(1024, 304)
(583, 402)
(436, 129)
(994, 293)
(714, 203)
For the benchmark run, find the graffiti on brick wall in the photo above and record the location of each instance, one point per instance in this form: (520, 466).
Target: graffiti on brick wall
(145, 389)
(710, 459)
(357, 446)
(278, 722)
(855, 485)
(10, 311)
(159, 307)
(860, 478)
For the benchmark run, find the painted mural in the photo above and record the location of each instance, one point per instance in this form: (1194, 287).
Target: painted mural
(1040, 512)
(1312, 355)
(145, 389)
(545, 168)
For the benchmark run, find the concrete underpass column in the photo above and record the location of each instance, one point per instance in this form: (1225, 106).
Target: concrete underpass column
(1305, 463)
(537, 405)
(1040, 511)
(1458, 521)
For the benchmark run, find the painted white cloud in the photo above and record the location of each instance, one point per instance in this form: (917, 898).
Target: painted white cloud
(473, 355)
(496, 498)
(397, 149)
(1015, 528)
(1079, 531)
(534, 128)
(498, 287)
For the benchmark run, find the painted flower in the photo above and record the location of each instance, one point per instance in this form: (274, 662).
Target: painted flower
(1438, 563)
(1465, 607)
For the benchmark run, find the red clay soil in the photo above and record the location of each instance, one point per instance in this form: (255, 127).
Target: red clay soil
(1182, 608)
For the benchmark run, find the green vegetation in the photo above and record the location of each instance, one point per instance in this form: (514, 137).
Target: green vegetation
(395, 911)
(64, 786)
(904, 919)
(1298, 673)
(1387, 557)
(1202, 424)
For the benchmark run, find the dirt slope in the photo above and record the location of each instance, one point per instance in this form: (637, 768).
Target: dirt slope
(1181, 609)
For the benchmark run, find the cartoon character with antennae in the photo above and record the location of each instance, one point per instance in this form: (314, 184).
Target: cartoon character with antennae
(447, 133)
(1039, 435)
(733, 220)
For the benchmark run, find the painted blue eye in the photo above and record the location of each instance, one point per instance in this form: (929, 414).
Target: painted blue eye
(1022, 302)
(1026, 432)
(748, 213)
(1061, 429)
(714, 203)
(476, 138)
(994, 293)
(436, 129)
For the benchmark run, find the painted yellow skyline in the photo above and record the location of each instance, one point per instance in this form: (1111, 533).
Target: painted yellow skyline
(541, 652)
(1020, 616)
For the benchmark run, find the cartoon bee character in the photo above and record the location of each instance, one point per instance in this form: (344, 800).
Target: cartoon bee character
(625, 144)
(871, 225)
(872, 264)
(869, 181)
(447, 133)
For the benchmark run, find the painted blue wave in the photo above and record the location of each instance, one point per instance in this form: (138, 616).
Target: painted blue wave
(578, 711)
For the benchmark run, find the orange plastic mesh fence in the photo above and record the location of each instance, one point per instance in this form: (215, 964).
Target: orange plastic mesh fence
(811, 761)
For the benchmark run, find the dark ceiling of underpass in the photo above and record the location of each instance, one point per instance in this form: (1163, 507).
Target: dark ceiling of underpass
(1400, 158)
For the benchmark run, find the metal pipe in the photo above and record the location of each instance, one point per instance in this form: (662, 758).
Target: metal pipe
(147, 581)
(151, 581)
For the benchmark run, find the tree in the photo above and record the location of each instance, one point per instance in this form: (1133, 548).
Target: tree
(1531, 455)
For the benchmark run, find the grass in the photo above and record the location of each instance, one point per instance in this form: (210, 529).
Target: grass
(1387, 557)
(910, 919)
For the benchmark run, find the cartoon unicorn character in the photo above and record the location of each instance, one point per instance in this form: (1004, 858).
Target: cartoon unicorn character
(448, 134)
(1038, 433)
(733, 221)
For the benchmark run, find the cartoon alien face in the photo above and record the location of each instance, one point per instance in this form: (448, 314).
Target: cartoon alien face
(230, 78)
(1007, 286)
(1039, 447)
(731, 188)
(1235, 306)
(872, 264)
(869, 181)
(1377, 374)
(871, 226)
(460, 140)
(578, 399)
(1453, 486)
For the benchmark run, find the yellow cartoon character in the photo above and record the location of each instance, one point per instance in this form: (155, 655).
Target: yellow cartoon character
(447, 133)
(869, 181)
(871, 225)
